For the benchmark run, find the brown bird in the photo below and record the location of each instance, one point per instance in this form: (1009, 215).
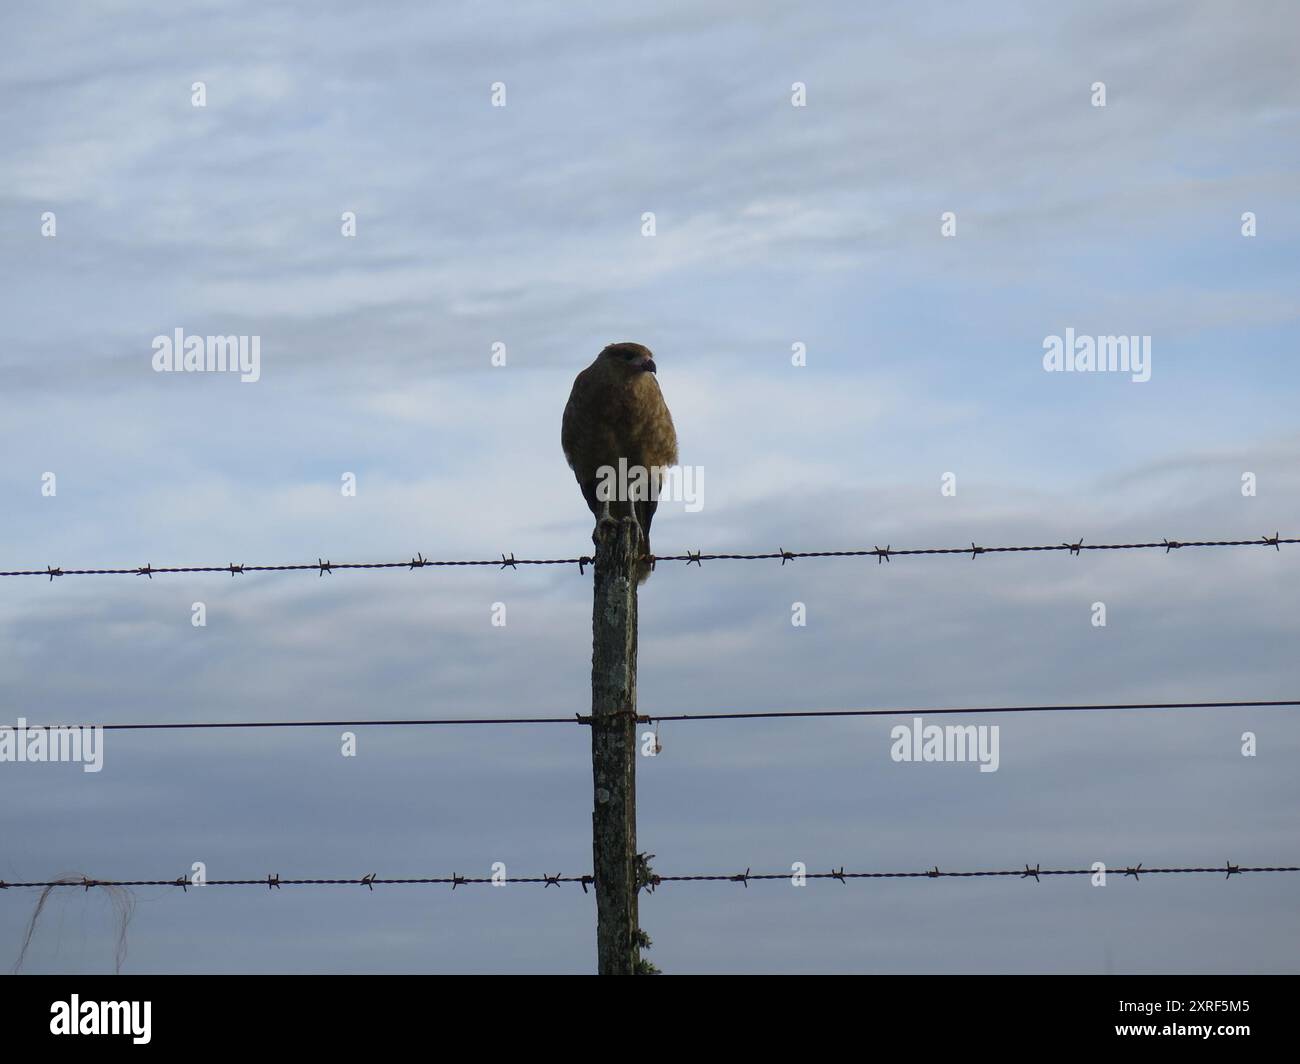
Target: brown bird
(616, 412)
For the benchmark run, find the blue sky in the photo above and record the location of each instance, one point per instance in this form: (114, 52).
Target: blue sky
(775, 225)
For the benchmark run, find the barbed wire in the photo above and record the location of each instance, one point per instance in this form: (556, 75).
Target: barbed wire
(1135, 871)
(881, 554)
(274, 881)
(653, 880)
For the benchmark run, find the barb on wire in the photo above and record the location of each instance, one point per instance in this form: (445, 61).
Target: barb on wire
(653, 880)
(697, 558)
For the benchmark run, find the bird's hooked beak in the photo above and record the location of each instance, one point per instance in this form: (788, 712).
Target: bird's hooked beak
(646, 365)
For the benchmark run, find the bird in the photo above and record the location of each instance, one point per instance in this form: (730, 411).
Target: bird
(616, 419)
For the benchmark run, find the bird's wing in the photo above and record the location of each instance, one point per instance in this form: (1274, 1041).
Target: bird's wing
(571, 427)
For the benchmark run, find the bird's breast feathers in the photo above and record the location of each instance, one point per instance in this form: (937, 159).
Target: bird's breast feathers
(609, 418)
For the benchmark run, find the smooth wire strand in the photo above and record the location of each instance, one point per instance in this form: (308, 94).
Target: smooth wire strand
(654, 718)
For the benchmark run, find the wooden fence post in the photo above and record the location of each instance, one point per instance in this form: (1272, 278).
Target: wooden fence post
(613, 746)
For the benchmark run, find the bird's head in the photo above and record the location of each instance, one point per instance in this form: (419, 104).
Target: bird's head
(629, 358)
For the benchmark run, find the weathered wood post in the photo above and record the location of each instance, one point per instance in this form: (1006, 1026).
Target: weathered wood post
(613, 746)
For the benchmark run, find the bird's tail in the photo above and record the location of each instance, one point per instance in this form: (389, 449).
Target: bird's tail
(645, 512)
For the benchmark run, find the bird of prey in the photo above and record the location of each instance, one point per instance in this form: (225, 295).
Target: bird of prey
(616, 419)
